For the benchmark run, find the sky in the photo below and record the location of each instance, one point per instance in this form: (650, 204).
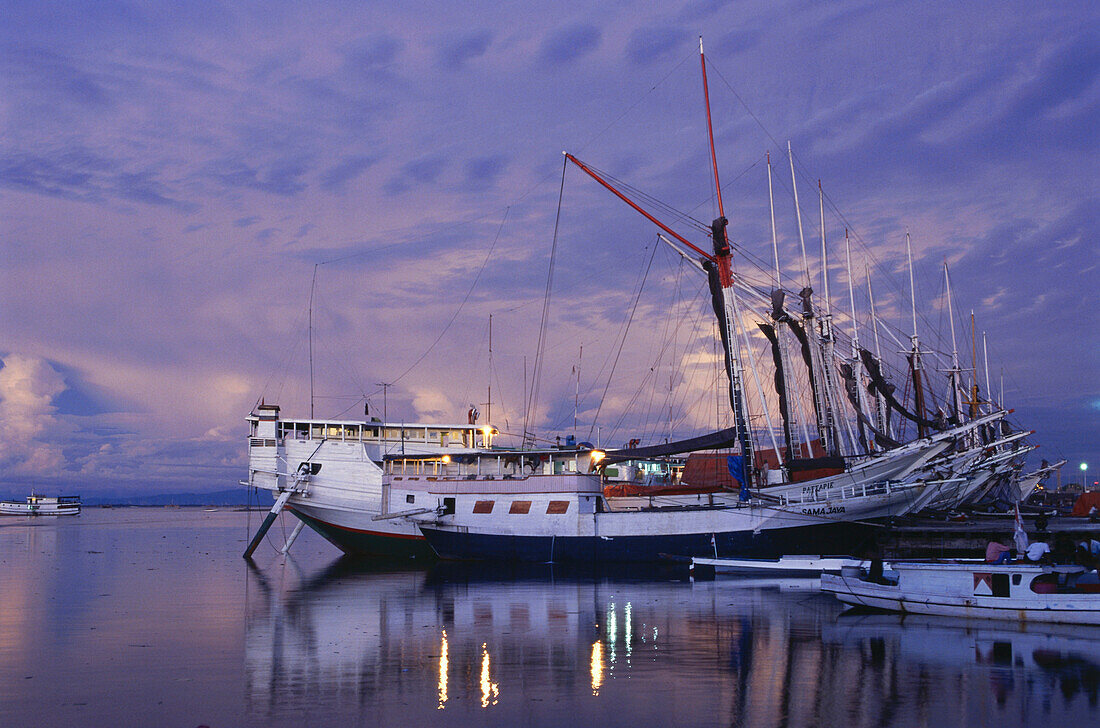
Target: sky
(176, 179)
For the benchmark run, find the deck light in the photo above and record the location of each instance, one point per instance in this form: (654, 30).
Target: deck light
(597, 456)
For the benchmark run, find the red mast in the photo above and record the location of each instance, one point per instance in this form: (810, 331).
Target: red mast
(722, 246)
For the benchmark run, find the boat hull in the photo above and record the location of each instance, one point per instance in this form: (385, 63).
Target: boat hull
(29, 509)
(365, 538)
(982, 591)
(771, 543)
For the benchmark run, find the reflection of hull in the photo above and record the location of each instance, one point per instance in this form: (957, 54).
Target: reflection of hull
(524, 644)
(948, 641)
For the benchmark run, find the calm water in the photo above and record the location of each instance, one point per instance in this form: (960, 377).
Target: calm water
(150, 617)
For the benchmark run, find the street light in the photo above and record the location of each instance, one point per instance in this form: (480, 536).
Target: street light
(1084, 476)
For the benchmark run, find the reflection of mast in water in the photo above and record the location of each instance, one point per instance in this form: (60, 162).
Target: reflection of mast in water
(489, 691)
(443, 666)
(597, 667)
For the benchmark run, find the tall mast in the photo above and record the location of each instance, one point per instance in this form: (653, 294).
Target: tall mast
(724, 272)
(788, 426)
(312, 285)
(710, 130)
(819, 355)
(880, 402)
(851, 296)
(985, 356)
(577, 390)
(771, 209)
(914, 354)
(955, 371)
(798, 214)
(489, 404)
(824, 261)
(974, 358)
(856, 367)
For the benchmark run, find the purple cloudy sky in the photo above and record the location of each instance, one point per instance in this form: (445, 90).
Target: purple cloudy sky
(171, 172)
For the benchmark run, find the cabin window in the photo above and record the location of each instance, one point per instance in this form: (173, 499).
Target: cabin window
(448, 506)
(410, 498)
(520, 507)
(557, 507)
(1000, 585)
(485, 506)
(1015, 580)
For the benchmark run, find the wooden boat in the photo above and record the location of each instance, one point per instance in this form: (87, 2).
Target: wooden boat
(37, 505)
(976, 589)
(785, 565)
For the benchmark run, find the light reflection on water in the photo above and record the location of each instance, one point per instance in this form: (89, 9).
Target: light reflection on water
(152, 618)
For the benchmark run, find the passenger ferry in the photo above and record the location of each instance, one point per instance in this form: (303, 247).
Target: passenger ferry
(37, 505)
(329, 474)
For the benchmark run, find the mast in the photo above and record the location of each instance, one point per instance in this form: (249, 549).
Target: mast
(914, 353)
(828, 336)
(489, 404)
(955, 371)
(824, 261)
(819, 355)
(985, 355)
(798, 214)
(857, 368)
(577, 390)
(724, 273)
(788, 426)
(880, 403)
(974, 358)
(312, 285)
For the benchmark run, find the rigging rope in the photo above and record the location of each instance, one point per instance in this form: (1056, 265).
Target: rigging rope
(537, 369)
(626, 330)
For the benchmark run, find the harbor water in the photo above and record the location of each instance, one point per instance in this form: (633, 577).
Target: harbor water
(149, 617)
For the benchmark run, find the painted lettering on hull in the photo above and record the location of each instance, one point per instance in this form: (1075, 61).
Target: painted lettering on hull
(823, 511)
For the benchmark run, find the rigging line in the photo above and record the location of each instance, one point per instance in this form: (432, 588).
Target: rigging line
(651, 373)
(537, 368)
(466, 298)
(622, 342)
(634, 291)
(349, 369)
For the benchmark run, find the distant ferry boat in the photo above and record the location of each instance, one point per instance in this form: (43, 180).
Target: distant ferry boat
(37, 505)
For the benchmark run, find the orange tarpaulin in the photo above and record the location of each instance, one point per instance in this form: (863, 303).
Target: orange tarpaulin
(1085, 502)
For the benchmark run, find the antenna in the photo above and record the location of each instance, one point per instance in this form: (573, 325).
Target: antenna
(385, 403)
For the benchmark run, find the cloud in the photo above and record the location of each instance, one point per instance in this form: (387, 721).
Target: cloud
(483, 172)
(648, 44)
(456, 51)
(431, 404)
(373, 52)
(422, 171)
(28, 386)
(569, 43)
(283, 177)
(335, 178)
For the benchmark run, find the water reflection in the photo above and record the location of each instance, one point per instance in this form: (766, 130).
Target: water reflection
(541, 646)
